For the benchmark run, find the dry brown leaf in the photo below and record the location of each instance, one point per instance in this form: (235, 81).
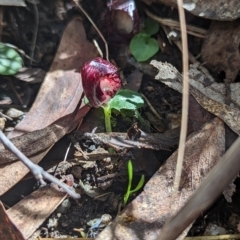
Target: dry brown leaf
(211, 97)
(30, 75)
(8, 230)
(14, 172)
(37, 141)
(59, 96)
(33, 210)
(220, 49)
(62, 89)
(214, 9)
(144, 217)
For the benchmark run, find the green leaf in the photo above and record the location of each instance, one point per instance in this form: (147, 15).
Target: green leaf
(140, 184)
(126, 99)
(130, 177)
(151, 27)
(143, 47)
(10, 60)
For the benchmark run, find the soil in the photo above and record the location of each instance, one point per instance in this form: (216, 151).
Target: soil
(107, 176)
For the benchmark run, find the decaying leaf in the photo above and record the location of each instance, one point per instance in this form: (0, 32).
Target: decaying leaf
(210, 96)
(33, 210)
(215, 9)
(62, 89)
(59, 96)
(8, 230)
(144, 217)
(220, 49)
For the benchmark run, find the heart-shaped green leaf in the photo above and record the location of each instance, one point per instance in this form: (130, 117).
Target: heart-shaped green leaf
(143, 47)
(10, 60)
(151, 27)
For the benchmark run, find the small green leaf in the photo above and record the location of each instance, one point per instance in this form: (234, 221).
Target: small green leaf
(140, 184)
(10, 60)
(130, 177)
(143, 47)
(151, 27)
(126, 99)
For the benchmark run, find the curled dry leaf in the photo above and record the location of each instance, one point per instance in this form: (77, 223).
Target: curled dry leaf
(214, 9)
(147, 213)
(211, 96)
(220, 49)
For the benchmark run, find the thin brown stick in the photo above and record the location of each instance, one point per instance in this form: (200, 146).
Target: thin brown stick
(94, 25)
(192, 30)
(36, 15)
(185, 99)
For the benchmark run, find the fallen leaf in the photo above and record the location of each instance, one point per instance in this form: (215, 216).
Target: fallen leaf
(145, 216)
(14, 172)
(210, 96)
(33, 210)
(37, 141)
(8, 229)
(61, 90)
(215, 9)
(220, 48)
(59, 96)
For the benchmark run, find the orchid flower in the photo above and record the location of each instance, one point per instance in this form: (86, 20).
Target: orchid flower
(100, 82)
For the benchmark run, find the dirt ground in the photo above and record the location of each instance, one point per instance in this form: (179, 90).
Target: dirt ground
(102, 181)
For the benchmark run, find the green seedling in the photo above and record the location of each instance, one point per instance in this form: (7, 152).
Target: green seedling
(142, 45)
(10, 60)
(125, 99)
(130, 178)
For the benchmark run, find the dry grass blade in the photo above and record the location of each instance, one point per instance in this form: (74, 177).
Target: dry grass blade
(185, 105)
(192, 30)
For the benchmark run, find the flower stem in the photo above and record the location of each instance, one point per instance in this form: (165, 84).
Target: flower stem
(107, 114)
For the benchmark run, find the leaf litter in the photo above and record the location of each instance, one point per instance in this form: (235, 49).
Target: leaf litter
(45, 114)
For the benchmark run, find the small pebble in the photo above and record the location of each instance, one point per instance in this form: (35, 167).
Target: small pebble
(214, 230)
(65, 205)
(14, 113)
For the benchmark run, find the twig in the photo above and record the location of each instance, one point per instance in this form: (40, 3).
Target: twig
(15, 91)
(151, 107)
(36, 170)
(35, 31)
(192, 30)
(185, 104)
(5, 116)
(96, 28)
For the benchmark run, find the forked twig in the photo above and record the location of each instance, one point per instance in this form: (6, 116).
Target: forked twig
(36, 170)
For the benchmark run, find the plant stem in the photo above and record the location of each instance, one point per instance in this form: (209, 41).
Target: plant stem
(107, 113)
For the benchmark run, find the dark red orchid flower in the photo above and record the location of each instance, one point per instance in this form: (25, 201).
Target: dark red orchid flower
(100, 81)
(120, 21)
